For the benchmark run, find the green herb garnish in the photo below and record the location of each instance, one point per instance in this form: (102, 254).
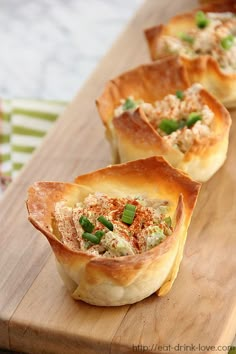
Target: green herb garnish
(169, 126)
(179, 94)
(90, 237)
(186, 37)
(129, 104)
(105, 222)
(128, 214)
(86, 224)
(99, 234)
(201, 19)
(192, 119)
(168, 221)
(227, 42)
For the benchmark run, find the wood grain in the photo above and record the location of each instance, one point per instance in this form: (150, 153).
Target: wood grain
(36, 313)
(96, 326)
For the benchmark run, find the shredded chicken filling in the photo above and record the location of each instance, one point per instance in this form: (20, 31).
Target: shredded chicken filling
(178, 109)
(217, 39)
(151, 224)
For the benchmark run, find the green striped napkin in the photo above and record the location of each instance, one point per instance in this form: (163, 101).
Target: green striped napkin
(23, 125)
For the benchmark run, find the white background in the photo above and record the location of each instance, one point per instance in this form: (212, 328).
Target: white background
(49, 47)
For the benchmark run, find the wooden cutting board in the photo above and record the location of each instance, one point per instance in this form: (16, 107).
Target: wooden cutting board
(36, 313)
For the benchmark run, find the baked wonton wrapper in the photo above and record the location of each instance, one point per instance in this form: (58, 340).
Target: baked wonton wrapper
(149, 82)
(123, 280)
(203, 69)
(216, 2)
(132, 136)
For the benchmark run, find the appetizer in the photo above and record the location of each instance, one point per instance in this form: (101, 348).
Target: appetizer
(205, 41)
(151, 110)
(118, 233)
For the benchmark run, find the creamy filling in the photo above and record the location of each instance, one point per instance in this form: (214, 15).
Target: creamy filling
(216, 38)
(181, 119)
(78, 226)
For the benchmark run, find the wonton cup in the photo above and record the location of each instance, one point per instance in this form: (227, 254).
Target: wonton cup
(203, 69)
(106, 281)
(132, 136)
(217, 2)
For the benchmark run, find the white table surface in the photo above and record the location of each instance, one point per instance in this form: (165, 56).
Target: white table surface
(49, 47)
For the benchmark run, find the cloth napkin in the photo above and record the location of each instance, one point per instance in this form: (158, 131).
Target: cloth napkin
(23, 125)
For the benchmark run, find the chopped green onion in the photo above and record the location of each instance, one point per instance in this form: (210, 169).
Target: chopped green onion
(128, 214)
(86, 224)
(201, 20)
(192, 119)
(99, 234)
(130, 207)
(186, 37)
(227, 42)
(90, 237)
(179, 94)
(169, 126)
(129, 104)
(168, 221)
(105, 222)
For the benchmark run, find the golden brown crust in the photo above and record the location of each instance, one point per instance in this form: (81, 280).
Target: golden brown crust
(136, 138)
(150, 82)
(204, 68)
(143, 134)
(152, 35)
(118, 281)
(147, 173)
(221, 125)
(219, 6)
(132, 136)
